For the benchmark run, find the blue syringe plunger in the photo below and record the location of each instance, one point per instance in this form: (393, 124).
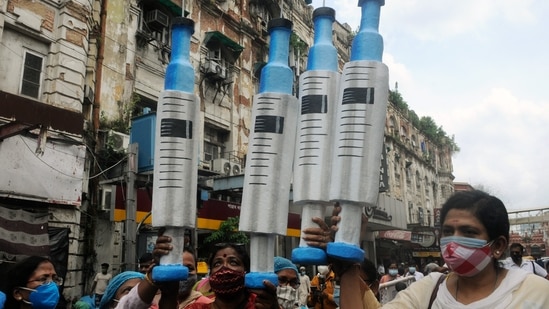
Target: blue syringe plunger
(180, 72)
(323, 54)
(276, 75)
(368, 43)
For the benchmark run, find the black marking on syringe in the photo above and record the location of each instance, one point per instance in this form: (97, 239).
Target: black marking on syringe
(313, 134)
(170, 142)
(355, 124)
(348, 155)
(172, 157)
(311, 119)
(358, 95)
(172, 127)
(314, 104)
(311, 127)
(261, 145)
(258, 166)
(310, 76)
(269, 124)
(309, 148)
(257, 183)
(264, 152)
(354, 65)
(171, 187)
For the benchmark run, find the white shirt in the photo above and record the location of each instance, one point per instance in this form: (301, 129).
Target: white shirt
(529, 266)
(418, 275)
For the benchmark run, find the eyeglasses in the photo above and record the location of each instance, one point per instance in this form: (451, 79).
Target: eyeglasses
(46, 279)
(285, 281)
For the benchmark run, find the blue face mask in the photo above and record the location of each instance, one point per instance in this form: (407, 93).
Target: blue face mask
(393, 272)
(45, 296)
(412, 270)
(468, 242)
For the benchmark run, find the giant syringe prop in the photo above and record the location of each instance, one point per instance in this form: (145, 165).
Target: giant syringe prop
(318, 96)
(264, 210)
(360, 122)
(176, 153)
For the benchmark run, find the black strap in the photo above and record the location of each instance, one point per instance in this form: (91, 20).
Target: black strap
(435, 290)
(533, 267)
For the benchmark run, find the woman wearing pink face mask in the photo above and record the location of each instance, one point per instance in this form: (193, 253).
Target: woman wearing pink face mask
(475, 235)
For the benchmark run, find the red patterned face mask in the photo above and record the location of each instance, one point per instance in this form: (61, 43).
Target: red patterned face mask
(466, 260)
(227, 282)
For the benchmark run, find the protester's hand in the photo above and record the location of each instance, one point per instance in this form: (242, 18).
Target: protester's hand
(323, 234)
(163, 245)
(266, 298)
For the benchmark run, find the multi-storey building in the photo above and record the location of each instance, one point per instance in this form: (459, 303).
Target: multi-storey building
(73, 75)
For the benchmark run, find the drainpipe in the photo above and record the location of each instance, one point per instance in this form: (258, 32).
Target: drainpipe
(99, 70)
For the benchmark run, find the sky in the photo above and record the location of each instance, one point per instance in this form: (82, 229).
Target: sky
(478, 68)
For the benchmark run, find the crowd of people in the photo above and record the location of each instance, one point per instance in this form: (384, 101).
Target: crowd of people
(476, 274)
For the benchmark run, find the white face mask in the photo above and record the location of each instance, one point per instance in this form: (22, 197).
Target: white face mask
(323, 269)
(287, 296)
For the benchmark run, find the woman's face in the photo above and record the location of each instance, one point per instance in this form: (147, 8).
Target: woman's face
(124, 289)
(227, 257)
(459, 222)
(44, 273)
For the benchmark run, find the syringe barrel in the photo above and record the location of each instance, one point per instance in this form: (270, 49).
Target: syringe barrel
(313, 153)
(360, 122)
(176, 160)
(269, 160)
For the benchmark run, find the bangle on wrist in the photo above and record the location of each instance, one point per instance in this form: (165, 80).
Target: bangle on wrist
(149, 280)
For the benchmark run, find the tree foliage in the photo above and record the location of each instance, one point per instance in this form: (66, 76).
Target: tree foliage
(425, 124)
(227, 232)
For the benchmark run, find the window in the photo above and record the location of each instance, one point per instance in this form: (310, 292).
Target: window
(32, 75)
(214, 140)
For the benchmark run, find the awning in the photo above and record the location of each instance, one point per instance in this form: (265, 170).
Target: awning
(216, 39)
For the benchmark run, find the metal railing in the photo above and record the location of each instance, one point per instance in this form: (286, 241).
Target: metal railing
(387, 290)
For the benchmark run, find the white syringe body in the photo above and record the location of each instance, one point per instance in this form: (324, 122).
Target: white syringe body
(177, 145)
(360, 122)
(267, 177)
(313, 153)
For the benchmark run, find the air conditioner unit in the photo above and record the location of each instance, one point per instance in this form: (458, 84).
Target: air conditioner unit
(118, 141)
(222, 166)
(215, 69)
(156, 19)
(236, 169)
(88, 95)
(108, 197)
(205, 165)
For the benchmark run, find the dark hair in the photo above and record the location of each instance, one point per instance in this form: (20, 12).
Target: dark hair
(191, 251)
(146, 257)
(369, 269)
(105, 265)
(517, 245)
(488, 209)
(399, 286)
(19, 276)
(240, 250)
